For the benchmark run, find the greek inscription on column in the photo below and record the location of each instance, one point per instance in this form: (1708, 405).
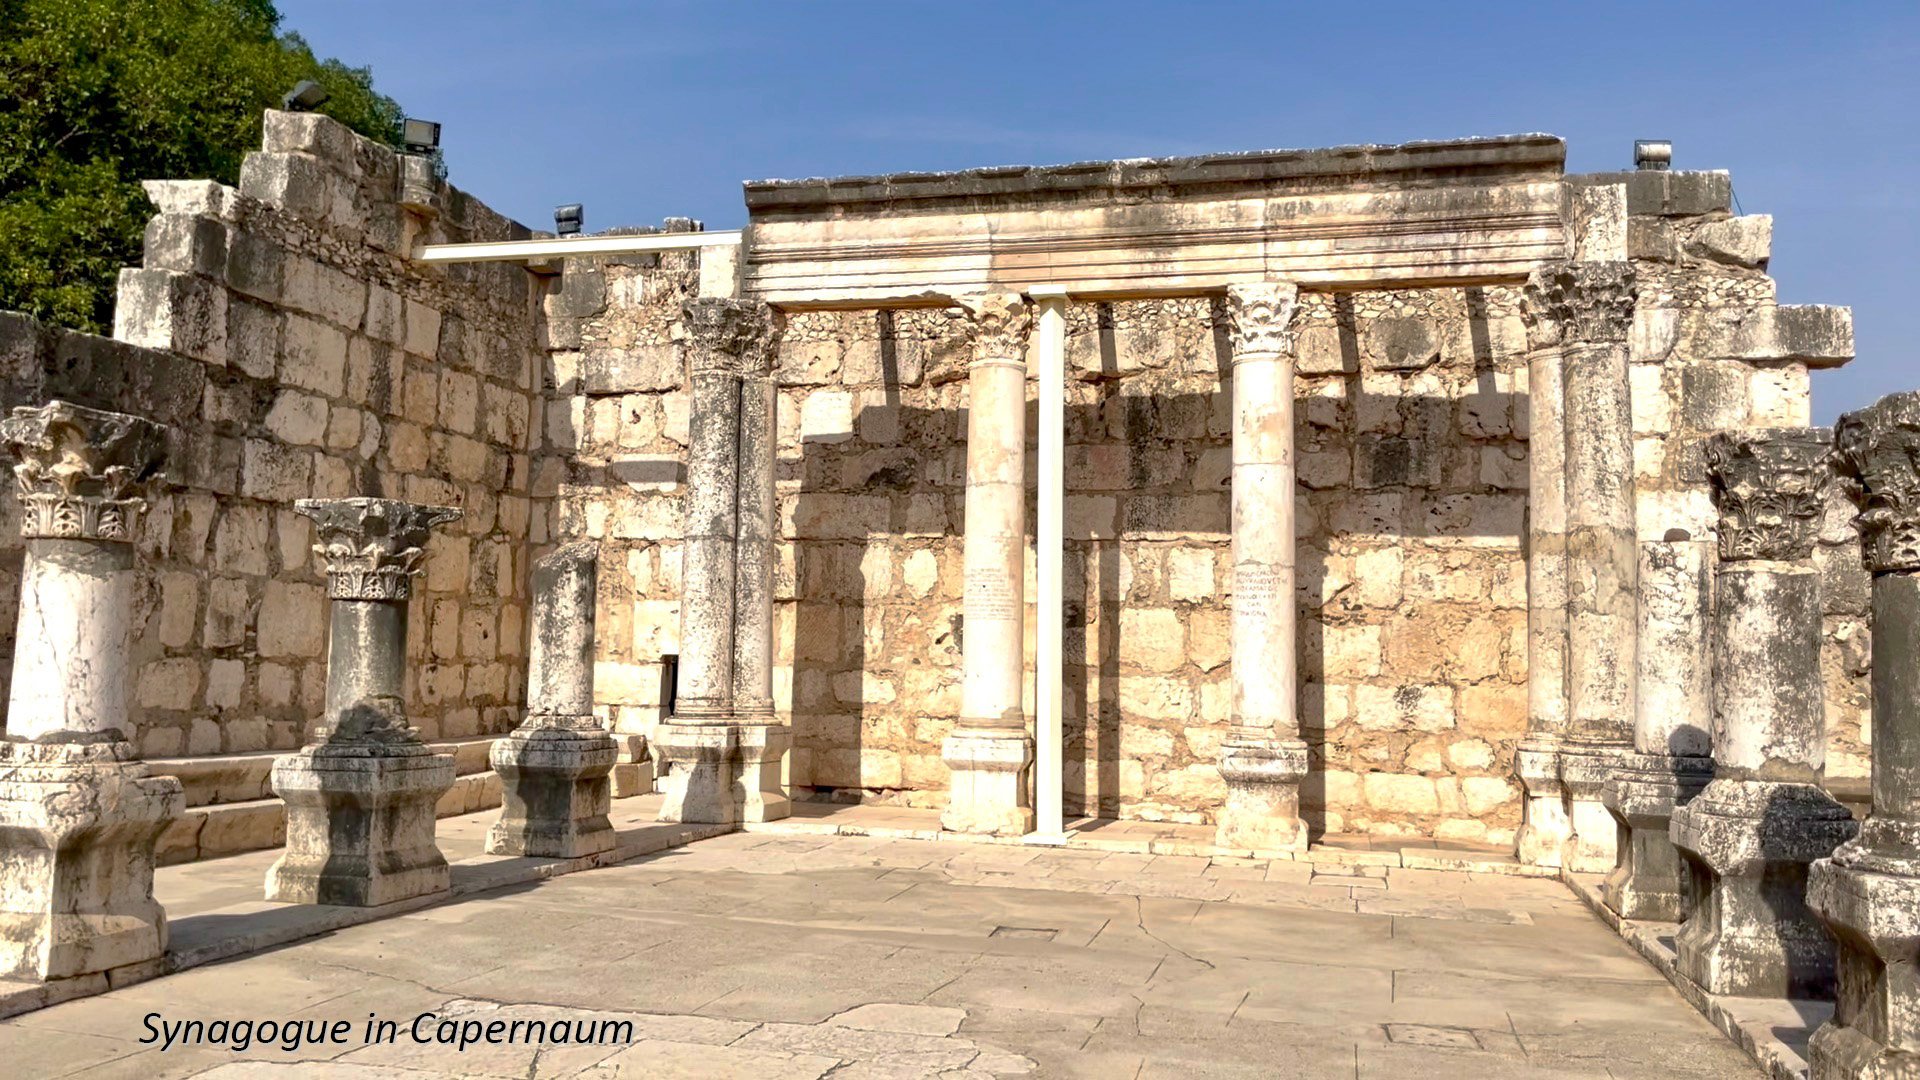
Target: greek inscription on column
(1256, 589)
(990, 597)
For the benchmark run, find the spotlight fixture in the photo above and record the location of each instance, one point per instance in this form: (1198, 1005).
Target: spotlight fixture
(567, 219)
(305, 96)
(1652, 154)
(419, 136)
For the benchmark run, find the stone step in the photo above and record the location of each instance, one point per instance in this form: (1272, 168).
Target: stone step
(237, 778)
(211, 830)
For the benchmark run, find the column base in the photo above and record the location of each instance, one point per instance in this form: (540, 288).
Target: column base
(360, 821)
(78, 823)
(723, 774)
(1651, 883)
(1748, 844)
(554, 790)
(1262, 810)
(1545, 828)
(1585, 768)
(989, 793)
(1868, 894)
(632, 766)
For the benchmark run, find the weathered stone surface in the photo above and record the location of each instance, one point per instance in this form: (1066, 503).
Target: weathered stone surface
(554, 769)
(1751, 834)
(360, 797)
(1868, 892)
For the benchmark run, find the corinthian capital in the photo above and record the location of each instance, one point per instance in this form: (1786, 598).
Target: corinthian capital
(1879, 448)
(82, 473)
(733, 336)
(1260, 317)
(1770, 486)
(1000, 322)
(1578, 302)
(373, 547)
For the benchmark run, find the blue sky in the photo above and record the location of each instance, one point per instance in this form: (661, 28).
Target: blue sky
(646, 110)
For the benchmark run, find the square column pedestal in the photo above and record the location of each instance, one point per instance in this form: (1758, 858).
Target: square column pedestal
(554, 792)
(78, 823)
(360, 825)
(1751, 933)
(723, 774)
(1651, 883)
(989, 788)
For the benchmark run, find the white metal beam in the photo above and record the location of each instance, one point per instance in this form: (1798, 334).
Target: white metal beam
(1049, 536)
(561, 247)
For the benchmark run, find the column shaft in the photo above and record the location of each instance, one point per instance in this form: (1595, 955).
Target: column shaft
(709, 554)
(1545, 829)
(989, 751)
(753, 552)
(75, 596)
(1591, 305)
(1263, 759)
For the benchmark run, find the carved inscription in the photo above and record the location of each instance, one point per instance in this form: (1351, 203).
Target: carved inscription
(991, 596)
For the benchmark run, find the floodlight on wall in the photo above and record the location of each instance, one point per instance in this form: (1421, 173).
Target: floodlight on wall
(419, 136)
(305, 96)
(567, 219)
(1652, 154)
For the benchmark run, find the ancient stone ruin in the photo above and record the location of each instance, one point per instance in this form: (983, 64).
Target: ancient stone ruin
(1428, 495)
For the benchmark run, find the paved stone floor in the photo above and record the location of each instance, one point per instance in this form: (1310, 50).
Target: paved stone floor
(768, 956)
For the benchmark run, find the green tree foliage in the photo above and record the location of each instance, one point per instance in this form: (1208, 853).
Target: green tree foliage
(97, 95)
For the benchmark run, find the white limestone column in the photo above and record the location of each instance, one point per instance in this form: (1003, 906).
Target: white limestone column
(79, 813)
(762, 740)
(1050, 337)
(1592, 305)
(989, 750)
(1545, 829)
(1263, 758)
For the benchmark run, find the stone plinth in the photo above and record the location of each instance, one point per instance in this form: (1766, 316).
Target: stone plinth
(78, 823)
(1749, 837)
(360, 823)
(1263, 758)
(554, 767)
(1751, 933)
(1262, 811)
(989, 750)
(360, 797)
(1671, 732)
(723, 774)
(79, 813)
(1547, 830)
(1868, 893)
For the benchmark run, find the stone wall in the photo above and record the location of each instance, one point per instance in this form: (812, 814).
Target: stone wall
(295, 352)
(1713, 349)
(1413, 466)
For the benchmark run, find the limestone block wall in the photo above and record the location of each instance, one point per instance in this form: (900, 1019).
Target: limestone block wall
(296, 353)
(1713, 349)
(1413, 466)
(614, 414)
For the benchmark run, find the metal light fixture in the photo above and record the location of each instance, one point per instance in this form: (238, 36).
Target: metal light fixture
(1652, 154)
(305, 96)
(567, 219)
(419, 136)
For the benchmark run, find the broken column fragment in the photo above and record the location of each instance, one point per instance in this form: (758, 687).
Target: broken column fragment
(1750, 835)
(554, 767)
(1868, 892)
(79, 813)
(360, 797)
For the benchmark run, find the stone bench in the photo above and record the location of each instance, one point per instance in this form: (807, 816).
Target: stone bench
(231, 806)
